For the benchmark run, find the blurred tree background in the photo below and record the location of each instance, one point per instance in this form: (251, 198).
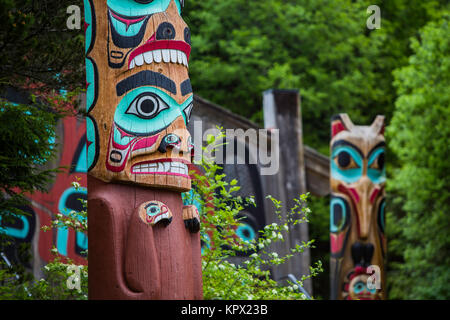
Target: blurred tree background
(324, 49)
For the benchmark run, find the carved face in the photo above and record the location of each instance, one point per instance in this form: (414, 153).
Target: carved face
(358, 178)
(139, 96)
(152, 212)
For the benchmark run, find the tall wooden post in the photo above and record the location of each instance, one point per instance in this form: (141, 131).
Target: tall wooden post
(357, 221)
(282, 112)
(143, 243)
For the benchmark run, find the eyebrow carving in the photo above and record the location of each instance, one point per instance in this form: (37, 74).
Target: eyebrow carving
(379, 145)
(146, 78)
(186, 87)
(346, 143)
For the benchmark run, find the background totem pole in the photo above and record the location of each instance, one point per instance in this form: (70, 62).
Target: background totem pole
(357, 218)
(143, 243)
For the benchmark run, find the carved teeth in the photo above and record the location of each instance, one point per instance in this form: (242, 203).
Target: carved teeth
(173, 56)
(166, 55)
(148, 57)
(163, 216)
(158, 56)
(139, 60)
(162, 167)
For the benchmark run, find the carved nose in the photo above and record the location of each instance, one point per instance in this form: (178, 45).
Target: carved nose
(170, 141)
(165, 31)
(173, 141)
(365, 207)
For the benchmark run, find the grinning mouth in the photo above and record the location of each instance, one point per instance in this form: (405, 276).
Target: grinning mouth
(159, 217)
(160, 51)
(162, 167)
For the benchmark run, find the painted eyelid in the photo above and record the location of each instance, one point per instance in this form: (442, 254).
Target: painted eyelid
(375, 155)
(163, 106)
(166, 116)
(355, 155)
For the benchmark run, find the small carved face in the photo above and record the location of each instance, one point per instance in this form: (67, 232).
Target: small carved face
(139, 96)
(153, 212)
(356, 286)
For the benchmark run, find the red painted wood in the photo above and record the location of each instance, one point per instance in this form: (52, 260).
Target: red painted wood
(129, 259)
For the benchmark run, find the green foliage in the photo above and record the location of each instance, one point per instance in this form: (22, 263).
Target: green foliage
(28, 134)
(319, 230)
(220, 211)
(36, 44)
(418, 223)
(53, 286)
(321, 47)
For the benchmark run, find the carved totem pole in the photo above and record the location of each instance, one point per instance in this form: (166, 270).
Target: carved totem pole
(357, 219)
(143, 243)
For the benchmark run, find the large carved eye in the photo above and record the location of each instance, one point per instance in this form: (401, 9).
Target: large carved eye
(147, 106)
(376, 168)
(345, 161)
(339, 214)
(378, 163)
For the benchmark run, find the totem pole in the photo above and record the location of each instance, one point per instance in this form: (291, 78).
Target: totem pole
(358, 177)
(143, 243)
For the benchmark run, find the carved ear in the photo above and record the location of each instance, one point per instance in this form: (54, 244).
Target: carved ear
(340, 122)
(378, 125)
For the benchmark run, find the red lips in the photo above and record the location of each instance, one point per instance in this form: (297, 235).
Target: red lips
(161, 44)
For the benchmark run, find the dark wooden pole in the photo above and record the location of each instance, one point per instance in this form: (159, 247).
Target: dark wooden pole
(282, 112)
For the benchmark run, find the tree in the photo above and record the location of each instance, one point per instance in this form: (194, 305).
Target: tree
(418, 135)
(36, 45)
(39, 58)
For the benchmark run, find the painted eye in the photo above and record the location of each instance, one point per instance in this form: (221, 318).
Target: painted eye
(359, 287)
(172, 139)
(166, 31)
(339, 214)
(378, 163)
(153, 210)
(246, 232)
(345, 161)
(147, 106)
(187, 35)
(376, 170)
(144, 1)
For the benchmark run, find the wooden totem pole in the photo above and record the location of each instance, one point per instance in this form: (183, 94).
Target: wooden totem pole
(357, 220)
(143, 243)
